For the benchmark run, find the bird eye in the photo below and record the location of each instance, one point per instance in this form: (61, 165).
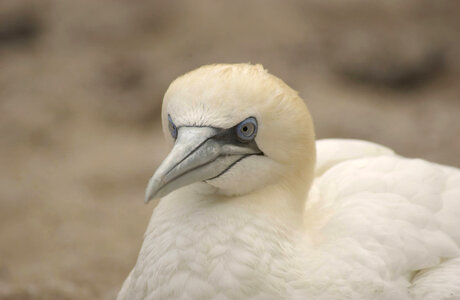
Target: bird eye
(172, 127)
(246, 131)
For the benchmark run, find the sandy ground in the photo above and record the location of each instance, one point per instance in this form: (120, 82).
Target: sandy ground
(81, 84)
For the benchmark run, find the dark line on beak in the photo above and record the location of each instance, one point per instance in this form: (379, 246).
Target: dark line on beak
(234, 163)
(193, 169)
(190, 153)
(209, 162)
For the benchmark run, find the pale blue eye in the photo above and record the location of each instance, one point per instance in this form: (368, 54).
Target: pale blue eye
(246, 131)
(172, 127)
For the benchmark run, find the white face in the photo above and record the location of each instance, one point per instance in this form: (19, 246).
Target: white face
(246, 172)
(235, 128)
(247, 175)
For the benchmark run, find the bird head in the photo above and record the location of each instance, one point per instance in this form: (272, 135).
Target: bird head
(234, 129)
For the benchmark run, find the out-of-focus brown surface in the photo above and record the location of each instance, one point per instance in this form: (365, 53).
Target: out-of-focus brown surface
(81, 84)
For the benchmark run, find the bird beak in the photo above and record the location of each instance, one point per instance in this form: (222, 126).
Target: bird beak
(199, 153)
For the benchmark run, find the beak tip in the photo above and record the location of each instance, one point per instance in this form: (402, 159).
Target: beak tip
(152, 190)
(149, 196)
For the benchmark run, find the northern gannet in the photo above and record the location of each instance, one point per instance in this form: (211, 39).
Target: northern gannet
(253, 208)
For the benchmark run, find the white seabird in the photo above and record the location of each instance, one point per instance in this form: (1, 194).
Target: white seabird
(245, 214)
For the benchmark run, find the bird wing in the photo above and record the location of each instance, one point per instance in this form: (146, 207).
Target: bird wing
(439, 282)
(331, 152)
(394, 215)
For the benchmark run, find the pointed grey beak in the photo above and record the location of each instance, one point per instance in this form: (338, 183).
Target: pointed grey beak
(199, 153)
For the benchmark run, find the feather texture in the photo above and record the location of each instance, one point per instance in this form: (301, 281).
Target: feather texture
(377, 226)
(364, 223)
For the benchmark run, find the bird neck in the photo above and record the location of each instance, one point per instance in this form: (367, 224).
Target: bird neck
(233, 242)
(283, 201)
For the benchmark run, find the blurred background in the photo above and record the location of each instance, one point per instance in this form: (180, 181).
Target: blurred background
(81, 85)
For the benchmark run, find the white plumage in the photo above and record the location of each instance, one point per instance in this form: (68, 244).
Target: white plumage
(373, 225)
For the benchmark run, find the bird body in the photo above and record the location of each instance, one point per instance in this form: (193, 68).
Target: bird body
(364, 223)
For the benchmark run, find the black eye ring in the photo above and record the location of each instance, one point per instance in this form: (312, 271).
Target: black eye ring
(172, 127)
(246, 131)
